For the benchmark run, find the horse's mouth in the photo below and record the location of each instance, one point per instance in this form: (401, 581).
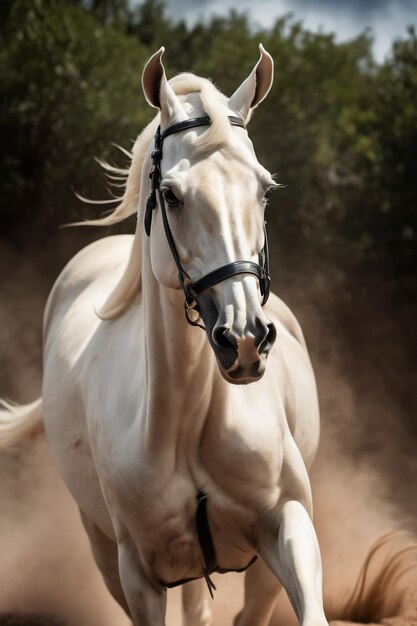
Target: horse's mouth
(239, 374)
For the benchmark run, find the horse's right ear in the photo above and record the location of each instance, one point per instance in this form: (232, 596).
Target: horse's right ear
(255, 88)
(158, 92)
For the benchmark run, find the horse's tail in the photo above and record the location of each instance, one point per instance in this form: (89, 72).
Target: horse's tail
(379, 590)
(18, 422)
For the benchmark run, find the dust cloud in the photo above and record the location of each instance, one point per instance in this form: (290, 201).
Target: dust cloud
(364, 479)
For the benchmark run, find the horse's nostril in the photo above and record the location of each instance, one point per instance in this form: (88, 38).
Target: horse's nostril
(272, 334)
(223, 338)
(269, 339)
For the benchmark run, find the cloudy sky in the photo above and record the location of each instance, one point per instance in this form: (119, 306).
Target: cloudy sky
(388, 19)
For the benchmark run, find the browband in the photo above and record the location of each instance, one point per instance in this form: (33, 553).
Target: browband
(197, 121)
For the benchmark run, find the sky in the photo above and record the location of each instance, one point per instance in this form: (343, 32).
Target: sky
(388, 19)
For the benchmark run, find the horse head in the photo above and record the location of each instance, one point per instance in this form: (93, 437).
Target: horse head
(208, 234)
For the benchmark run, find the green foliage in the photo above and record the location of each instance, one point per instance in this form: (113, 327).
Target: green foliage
(70, 88)
(340, 130)
(387, 230)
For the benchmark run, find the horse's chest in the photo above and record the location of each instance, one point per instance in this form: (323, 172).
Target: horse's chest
(155, 496)
(167, 535)
(205, 533)
(171, 529)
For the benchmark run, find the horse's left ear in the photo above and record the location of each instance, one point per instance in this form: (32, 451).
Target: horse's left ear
(255, 88)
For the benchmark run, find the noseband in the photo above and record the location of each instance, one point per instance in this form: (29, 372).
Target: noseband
(193, 289)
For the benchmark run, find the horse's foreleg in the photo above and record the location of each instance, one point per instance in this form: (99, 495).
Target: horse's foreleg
(195, 603)
(147, 603)
(105, 555)
(294, 557)
(261, 591)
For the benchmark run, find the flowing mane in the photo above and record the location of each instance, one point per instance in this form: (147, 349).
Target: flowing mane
(199, 97)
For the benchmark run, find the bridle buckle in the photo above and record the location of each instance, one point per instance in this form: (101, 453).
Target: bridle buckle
(156, 154)
(192, 314)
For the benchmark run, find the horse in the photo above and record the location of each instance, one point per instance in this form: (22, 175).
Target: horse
(186, 450)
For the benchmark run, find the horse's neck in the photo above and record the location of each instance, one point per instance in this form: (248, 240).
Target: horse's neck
(180, 368)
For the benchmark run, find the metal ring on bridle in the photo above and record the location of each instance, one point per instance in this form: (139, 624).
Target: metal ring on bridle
(193, 289)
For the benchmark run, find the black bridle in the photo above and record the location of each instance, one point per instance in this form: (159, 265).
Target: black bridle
(193, 289)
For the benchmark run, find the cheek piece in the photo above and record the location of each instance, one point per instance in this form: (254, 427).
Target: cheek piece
(193, 289)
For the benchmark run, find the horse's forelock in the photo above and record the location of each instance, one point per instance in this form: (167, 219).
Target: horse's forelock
(213, 104)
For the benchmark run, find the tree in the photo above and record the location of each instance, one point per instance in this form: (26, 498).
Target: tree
(70, 88)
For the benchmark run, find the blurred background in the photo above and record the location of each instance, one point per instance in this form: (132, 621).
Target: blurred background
(340, 130)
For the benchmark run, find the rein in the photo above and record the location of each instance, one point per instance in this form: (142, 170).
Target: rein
(193, 289)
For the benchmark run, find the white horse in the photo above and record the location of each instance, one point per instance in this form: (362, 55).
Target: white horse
(179, 466)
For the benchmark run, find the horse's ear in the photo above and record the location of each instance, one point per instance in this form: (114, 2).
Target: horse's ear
(158, 92)
(255, 88)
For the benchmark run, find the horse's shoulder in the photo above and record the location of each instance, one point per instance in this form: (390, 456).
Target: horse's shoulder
(282, 314)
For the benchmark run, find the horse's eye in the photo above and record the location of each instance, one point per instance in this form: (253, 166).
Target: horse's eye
(268, 194)
(171, 198)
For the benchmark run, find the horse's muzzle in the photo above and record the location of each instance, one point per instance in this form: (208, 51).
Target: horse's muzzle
(242, 355)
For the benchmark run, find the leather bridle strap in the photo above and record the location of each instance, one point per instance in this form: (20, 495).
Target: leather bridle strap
(231, 269)
(193, 289)
(182, 274)
(206, 541)
(194, 122)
